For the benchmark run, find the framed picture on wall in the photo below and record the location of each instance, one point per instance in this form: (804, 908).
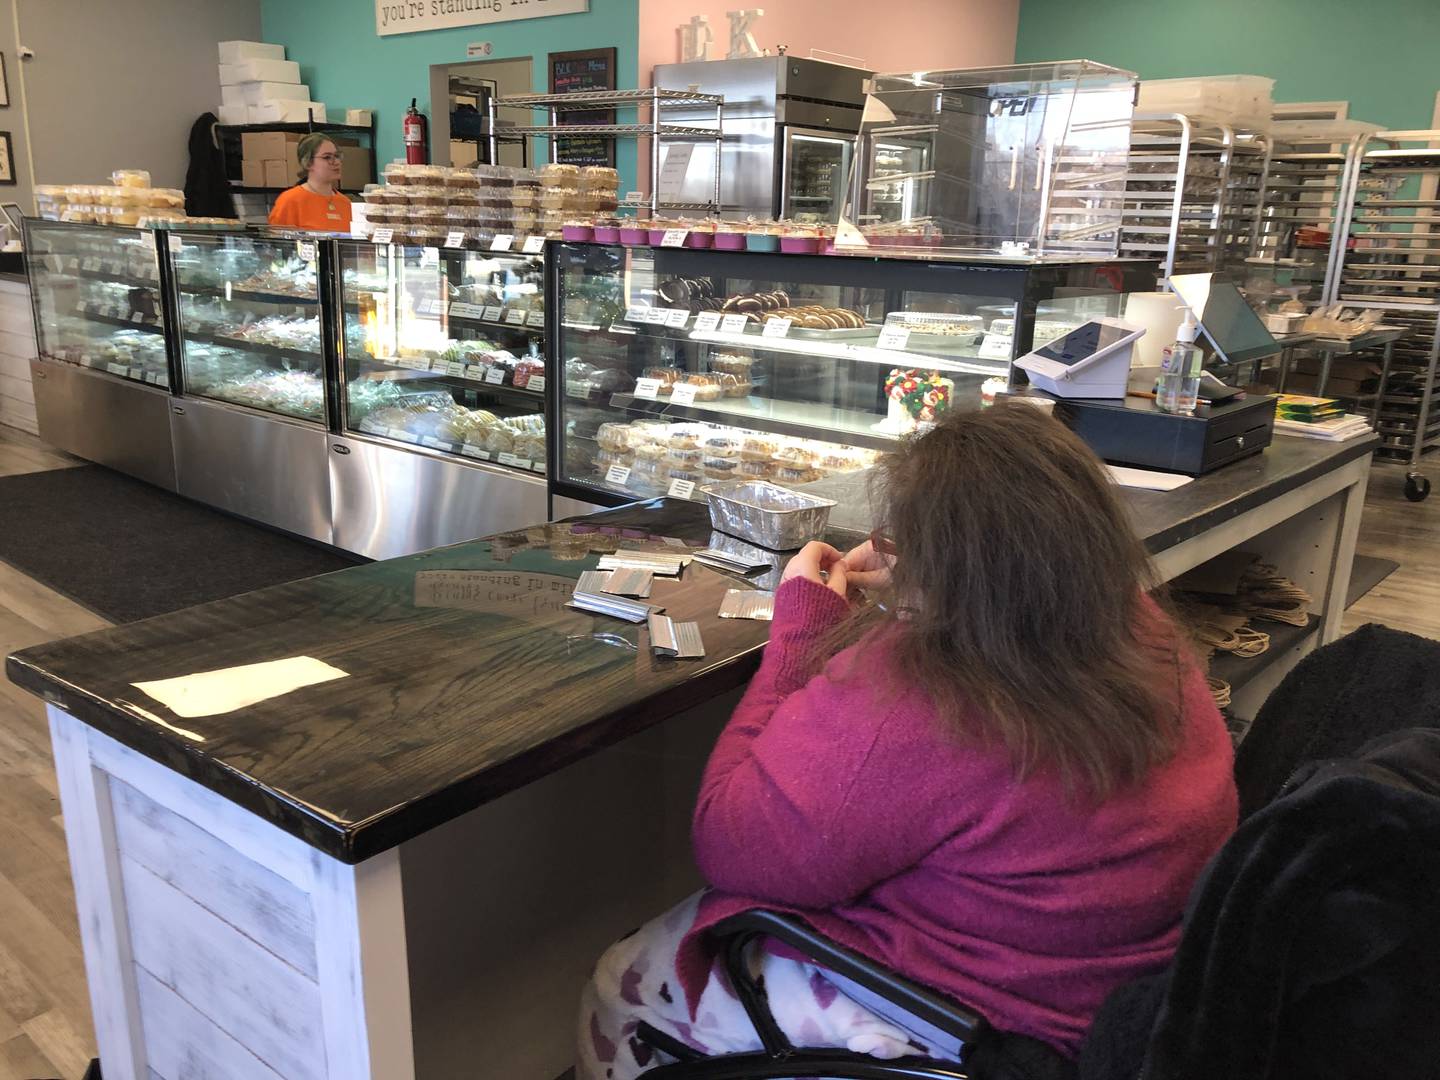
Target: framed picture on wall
(7, 162)
(4, 83)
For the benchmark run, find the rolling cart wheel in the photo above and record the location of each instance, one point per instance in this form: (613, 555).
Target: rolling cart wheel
(1416, 487)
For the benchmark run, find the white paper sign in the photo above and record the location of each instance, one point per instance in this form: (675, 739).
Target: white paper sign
(495, 375)
(534, 245)
(734, 324)
(471, 450)
(516, 317)
(303, 248)
(634, 196)
(894, 337)
(776, 328)
(671, 181)
(657, 316)
(511, 459)
(411, 16)
(455, 238)
(117, 369)
(706, 322)
(460, 310)
(536, 383)
(617, 474)
(997, 347)
(674, 238)
(502, 242)
(681, 489)
(536, 319)
(683, 394)
(678, 318)
(382, 236)
(636, 314)
(647, 388)
(147, 239)
(176, 244)
(455, 369)
(491, 313)
(429, 256)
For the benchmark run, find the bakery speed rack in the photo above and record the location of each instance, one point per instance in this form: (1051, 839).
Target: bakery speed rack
(1391, 244)
(654, 127)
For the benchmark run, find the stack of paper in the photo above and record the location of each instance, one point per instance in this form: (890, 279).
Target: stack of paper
(1337, 429)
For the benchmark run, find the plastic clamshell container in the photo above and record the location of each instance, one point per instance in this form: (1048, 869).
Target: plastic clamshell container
(632, 237)
(607, 234)
(762, 242)
(800, 245)
(578, 233)
(767, 514)
(729, 241)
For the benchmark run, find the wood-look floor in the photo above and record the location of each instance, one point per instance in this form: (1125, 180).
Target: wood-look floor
(45, 1028)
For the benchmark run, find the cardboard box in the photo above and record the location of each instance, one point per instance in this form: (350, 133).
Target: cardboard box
(254, 93)
(355, 168)
(230, 75)
(268, 145)
(235, 52)
(233, 95)
(287, 71)
(252, 173)
(279, 174)
(234, 114)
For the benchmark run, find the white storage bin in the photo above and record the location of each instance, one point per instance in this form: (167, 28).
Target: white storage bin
(286, 71)
(257, 93)
(285, 112)
(233, 52)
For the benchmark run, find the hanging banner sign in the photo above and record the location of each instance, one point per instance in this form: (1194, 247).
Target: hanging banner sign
(412, 16)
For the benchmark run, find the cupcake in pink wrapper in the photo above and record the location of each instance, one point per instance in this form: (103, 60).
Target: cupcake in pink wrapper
(634, 235)
(607, 231)
(578, 231)
(701, 235)
(800, 240)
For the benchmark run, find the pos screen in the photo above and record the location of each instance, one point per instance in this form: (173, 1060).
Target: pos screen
(1081, 344)
(1227, 319)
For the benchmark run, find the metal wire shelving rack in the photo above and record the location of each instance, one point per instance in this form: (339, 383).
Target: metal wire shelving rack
(655, 128)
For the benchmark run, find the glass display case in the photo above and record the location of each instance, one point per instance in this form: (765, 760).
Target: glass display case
(1027, 159)
(97, 297)
(817, 168)
(685, 368)
(444, 348)
(249, 321)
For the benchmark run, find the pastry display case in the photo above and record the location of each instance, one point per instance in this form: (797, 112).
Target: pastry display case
(685, 368)
(1028, 159)
(102, 376)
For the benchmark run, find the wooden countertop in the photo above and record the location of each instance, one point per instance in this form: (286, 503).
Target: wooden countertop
(465, 674)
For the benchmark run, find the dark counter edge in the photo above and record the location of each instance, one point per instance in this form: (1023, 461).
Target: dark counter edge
(1207, 519)
(372, 836)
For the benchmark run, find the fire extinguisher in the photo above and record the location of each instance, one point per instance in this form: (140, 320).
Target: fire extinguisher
(416, 152)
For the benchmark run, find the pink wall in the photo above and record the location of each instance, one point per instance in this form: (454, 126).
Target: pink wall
(906, 36)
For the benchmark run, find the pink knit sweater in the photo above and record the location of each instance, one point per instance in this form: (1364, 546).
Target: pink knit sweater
(828, 796)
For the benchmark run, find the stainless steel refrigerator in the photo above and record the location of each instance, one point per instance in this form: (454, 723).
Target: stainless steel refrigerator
(790, 129)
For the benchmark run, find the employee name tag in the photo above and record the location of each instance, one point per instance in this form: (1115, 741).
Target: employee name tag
(706, 322)
(674, 238)
(503, 242)
(776, 328)
(677, 319)
(382, 236)
(894, 337)
(733, 324)
(647, 388)
(534, 245)
(617, 474)
(455, 239)
(681, 489)
(683, 394)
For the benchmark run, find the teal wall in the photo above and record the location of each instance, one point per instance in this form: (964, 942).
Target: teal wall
(348, 66)
(1382, 56)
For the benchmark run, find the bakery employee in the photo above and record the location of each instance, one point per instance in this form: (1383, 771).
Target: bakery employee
(315, 202)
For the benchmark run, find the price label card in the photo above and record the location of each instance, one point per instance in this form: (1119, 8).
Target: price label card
(495, 375)
(894, 337)
(636, 314)
(733, 324)
(534, 245)
(466, 311)
(515, 318)
(674, 238)
(997, 347)
(683, 394)
(382, 236)
(657, 316)
(402, 435)
(152, 378)
(147, 239)
(117, 369)
(503, 242)
(706, 322)
(455, 369)
(136, 317)
(617, 474)
(437, 444)
(678, 318)
(492, 313)
(90, 265)
(537, 383)
(176, 244)
(647, 388)
(303, 248)
(471, 450)
(429, 256)
(536, 319)
(439, 366)
(455, 238)
(776, 328)
(634, 196)
(681, 489)
(509, 459)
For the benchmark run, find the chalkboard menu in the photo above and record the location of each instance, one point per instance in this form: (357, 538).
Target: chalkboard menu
(584, 72)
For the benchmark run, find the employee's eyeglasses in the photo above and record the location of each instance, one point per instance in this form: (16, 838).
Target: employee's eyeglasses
(332, 158)
(881, 544)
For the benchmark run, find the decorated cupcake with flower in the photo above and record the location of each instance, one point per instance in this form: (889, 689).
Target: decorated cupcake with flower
(915, 398)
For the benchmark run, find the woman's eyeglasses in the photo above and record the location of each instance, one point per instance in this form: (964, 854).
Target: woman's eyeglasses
(881, 544)
(334, 159)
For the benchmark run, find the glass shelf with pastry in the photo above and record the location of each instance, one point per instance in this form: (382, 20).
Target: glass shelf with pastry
(443, 349)
(686, 367)
(97, 299)
(249, 321)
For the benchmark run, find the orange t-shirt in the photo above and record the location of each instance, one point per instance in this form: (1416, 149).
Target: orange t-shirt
(301, 208)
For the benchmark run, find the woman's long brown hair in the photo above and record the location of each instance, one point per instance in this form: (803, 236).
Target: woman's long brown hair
(1019, 584)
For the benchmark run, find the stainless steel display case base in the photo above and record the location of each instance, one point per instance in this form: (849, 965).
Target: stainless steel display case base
(265, 468)
(110, 421)
(388, 501)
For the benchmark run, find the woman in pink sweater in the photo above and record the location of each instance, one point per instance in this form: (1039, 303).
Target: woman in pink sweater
(1000, 773)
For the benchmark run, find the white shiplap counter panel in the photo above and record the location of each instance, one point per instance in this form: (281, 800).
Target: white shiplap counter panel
(17, 349)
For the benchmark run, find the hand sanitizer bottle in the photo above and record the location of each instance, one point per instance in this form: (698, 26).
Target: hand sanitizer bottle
(1179, 385)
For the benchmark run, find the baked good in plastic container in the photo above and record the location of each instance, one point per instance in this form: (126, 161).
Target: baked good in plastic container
(756, 447)
(561, 175)
(600, 177)
(797, 456)
(707, 387)
(684, 437)
(134, 178)
(666, 376)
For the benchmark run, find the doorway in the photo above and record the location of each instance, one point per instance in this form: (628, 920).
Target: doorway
(460, 101)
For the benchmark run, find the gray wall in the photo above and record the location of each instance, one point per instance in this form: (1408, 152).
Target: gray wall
(116, 84)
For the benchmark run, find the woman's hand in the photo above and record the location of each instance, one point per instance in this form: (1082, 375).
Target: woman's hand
(820, 563)
(866, 568)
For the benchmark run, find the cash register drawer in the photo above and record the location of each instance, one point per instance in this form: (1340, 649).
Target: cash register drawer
(1134, 432)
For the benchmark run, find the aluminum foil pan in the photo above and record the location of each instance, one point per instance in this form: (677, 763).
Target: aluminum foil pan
(766, 514)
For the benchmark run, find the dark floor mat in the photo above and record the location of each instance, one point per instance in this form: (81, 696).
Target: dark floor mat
(1365, 574)
(127, 550)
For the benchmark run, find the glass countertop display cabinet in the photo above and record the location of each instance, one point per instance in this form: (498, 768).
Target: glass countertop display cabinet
(685, 368)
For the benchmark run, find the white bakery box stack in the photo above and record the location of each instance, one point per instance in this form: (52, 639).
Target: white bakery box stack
(259, 86)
